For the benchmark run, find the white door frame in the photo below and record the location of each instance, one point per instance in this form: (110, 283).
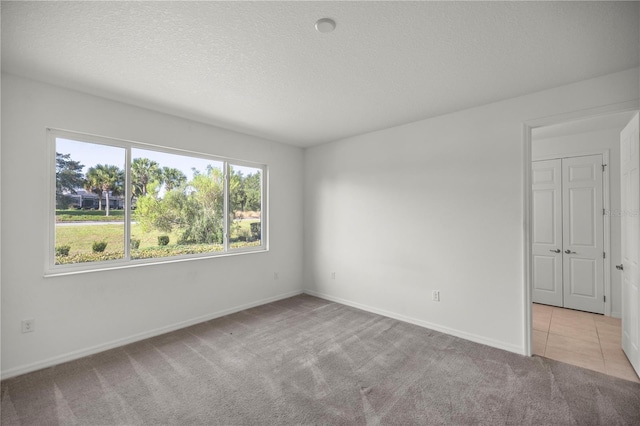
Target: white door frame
(527, 126)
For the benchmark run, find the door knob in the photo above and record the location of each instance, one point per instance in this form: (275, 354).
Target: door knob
(569, 251)
(620, 267)
(556, 250)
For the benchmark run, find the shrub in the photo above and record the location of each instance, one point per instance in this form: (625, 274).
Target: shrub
(163, 240)
(241, 244)
(88, 257)
(243, 235)
(135, 243)
(149, 253)
(255, 230)
(99, 246)
(62, 250)
(206, 229)
(155, 252)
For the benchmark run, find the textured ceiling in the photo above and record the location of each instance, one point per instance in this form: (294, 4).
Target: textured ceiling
(261, 68)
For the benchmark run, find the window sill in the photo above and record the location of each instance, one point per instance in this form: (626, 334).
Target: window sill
(115, 265)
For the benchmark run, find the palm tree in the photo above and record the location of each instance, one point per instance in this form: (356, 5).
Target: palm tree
(105, 179)
(92, 184)
(173, 178)
(143, 171)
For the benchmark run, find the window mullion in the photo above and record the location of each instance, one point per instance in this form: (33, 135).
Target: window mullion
(263, 207)
(127, 204)
(225, 209)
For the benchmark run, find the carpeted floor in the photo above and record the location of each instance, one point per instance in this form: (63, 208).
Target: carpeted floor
(305, 360)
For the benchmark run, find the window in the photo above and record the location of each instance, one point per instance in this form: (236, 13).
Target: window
(120, 202)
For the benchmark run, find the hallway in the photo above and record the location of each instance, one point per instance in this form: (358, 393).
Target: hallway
(580, 338)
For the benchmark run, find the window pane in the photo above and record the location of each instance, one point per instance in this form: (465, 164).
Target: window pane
(245, 206)
(178, 203)
(89, 213)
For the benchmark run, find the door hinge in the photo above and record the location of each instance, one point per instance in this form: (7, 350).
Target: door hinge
(604, 212)
(604, 255)
(605, 298)
(603, 166)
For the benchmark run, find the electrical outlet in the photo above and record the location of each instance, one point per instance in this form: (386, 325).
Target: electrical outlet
(275, 275)
(435, 295)
(333, 275)
(28, 325)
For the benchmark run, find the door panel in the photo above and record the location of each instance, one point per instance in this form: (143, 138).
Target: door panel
(544, 227)
(582, 227)
(547, 232)
(583, 273)
(544, 270)
(630, 220)
(583, 233)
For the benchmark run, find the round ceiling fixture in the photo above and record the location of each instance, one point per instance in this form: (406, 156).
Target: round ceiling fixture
(325, 25)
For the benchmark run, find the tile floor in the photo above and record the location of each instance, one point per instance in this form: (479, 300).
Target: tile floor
(580, 338)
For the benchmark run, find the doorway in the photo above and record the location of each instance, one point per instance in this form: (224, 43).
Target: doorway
(568, 232)
(576, 136)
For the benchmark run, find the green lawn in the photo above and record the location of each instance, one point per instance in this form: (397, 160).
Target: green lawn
(81, 237)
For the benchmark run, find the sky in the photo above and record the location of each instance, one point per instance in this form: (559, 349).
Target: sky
(91, 154)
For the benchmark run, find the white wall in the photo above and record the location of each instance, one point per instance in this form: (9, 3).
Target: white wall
(432, 205)
(591, 143)
(435, 205)
(78, 314)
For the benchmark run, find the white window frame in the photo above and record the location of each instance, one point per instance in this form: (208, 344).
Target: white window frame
(51, 269)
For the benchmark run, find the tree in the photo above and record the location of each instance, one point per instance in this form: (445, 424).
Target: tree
(68, 177)
(253, 191)
(237, 194)
(105, 179)
(196, 209)
(173, 178)
(245, 192)
(92, 184)
(203, 218)
(143, 171)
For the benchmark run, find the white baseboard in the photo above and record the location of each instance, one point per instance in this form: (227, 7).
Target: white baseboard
(616, 314)
(453, 332)
(23, 369)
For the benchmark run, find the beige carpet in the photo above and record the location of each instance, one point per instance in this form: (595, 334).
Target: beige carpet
(305, 360)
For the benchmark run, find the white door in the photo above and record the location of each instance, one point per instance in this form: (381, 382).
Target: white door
(547, 232)
(583, 233)
(630, 196)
